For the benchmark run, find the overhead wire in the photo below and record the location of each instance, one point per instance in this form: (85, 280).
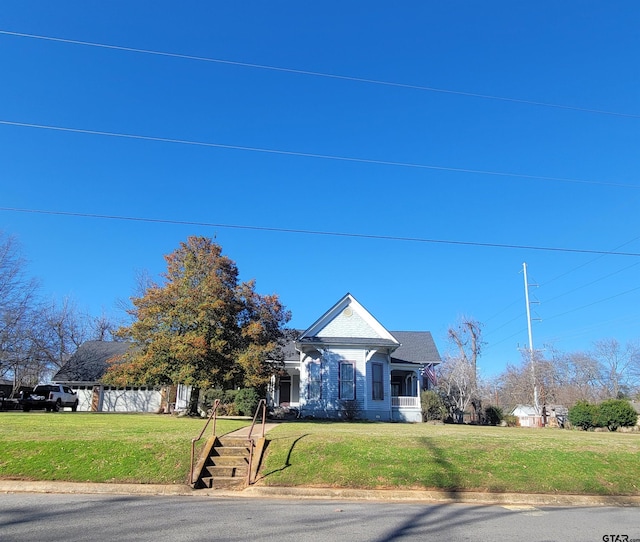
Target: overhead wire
(316, 232)
(313, 155)
(323, 74)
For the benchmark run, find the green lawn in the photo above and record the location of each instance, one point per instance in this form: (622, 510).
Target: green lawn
(422, 456)
(150, 448)
(92, 447)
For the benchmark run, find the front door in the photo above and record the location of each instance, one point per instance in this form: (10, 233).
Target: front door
(285, 390)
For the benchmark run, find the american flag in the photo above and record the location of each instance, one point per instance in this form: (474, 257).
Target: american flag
(430, 373)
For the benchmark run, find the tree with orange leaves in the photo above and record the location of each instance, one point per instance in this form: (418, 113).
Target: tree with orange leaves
(201, 326)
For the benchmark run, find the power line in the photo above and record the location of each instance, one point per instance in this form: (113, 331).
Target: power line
(314, 155)
(593, 303)
(316, 232)
(592, 282)
(587, 262)
(324, 74)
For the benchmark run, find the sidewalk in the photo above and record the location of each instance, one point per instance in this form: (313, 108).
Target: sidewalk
(244, 431)
(305, 493)
(432, 497)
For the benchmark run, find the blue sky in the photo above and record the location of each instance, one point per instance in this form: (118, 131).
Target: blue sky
(582, 56)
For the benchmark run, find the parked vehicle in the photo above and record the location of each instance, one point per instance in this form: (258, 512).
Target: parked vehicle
(51, 397)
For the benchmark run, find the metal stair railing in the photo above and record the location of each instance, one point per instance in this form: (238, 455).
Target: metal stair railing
(212, 417)
(262, 404)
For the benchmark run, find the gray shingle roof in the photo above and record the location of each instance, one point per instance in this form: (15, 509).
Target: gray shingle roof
(90, 361)
(415, 347)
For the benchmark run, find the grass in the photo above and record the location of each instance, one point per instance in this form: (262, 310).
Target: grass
(90, 447)
(148, 448)
(454, 458)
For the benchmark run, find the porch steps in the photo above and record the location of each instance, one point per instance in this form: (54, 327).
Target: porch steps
(224, 464)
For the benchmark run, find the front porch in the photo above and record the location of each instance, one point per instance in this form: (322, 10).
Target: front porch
(405, 395)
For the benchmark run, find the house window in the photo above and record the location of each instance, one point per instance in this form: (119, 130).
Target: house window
(377, 382)
(347, 380)
(315, 380)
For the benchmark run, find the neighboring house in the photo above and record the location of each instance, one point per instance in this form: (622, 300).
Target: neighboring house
(85, 369)
(527, 416)
(347, 363)
(550, 415)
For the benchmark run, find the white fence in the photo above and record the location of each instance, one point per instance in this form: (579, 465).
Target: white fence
(119, 399)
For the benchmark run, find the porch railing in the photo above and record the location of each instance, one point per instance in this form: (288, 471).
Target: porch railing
(405, 402)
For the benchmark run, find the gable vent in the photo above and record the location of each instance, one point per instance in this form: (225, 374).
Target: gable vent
(347, 312)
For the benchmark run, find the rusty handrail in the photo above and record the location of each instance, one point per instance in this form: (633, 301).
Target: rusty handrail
(214, 416)
(262, 403)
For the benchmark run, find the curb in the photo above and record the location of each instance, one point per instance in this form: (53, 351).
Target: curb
(307, 493)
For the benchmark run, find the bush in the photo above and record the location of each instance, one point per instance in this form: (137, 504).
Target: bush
(226, 398)
(493, 415)
(583, 415)
(511, 420)
(615, 413)
(433, 407)
(350, 409)
(246, 401)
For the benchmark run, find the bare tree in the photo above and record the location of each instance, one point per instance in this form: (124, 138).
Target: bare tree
(610, 370)
(459, 373)
(456, 381)
(578, 374)
(17, 295)
(619, 367)
(103, 328)
(61, 330)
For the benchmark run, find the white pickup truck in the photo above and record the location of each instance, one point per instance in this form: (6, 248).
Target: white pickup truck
(51, 397)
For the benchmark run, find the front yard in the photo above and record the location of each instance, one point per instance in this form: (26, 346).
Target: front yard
(149, 448)
(452, 457)
(96, 447)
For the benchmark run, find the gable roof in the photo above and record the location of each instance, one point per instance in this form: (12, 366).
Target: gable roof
(90, 361)
(348, 322)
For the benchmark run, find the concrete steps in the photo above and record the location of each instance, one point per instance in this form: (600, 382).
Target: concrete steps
(225, 466)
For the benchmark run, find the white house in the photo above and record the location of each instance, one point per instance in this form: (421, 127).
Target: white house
(347, 363)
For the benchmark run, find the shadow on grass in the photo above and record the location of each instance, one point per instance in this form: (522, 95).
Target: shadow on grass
(287, 461)
(445, 476)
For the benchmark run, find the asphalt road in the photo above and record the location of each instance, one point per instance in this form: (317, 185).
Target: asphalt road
(66, 518)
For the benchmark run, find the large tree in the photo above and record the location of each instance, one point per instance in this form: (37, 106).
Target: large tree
(201, 326)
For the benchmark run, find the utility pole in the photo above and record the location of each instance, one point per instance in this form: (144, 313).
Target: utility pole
(536, 401)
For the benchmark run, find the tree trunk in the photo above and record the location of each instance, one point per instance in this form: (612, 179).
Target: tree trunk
(194, 401)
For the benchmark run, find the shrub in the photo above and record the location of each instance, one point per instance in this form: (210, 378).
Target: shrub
(583, 415)
(246, 401)
(493, 415)
(511, 420)
(226, 398)
(615, 413)
(433, 407)
(210, 396)
(350, 409)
